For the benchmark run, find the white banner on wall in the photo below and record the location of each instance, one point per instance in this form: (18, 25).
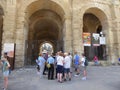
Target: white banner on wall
(102, 41)
(9, 48)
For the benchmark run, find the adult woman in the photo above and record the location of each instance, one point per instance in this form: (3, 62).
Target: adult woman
(41, 64)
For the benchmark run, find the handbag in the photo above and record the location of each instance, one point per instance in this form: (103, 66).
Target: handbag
(48, 65)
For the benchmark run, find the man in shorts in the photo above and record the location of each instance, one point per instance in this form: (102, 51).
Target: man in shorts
(77, 63)
(67, 66)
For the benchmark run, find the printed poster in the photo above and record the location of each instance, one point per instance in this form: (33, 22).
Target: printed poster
(87, 39)
(95, 39)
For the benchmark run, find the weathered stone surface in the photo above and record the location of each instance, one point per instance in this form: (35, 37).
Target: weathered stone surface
(16, 23)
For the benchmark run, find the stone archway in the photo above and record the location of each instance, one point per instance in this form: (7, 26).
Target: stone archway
(43, 24)
(1, 27)
(95, 21)
(47, 46)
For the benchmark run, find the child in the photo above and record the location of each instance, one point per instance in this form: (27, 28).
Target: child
(5, 70)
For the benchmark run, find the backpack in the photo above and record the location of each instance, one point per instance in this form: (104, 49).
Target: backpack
(86, 62)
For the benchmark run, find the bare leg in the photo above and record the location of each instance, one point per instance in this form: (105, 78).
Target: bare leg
(41, 71)
(65, 76)
(85, 73)
(60, 77)
(78, 70)
(69, 75)
(5, 82)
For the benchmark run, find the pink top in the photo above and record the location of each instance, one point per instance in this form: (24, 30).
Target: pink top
(95, 58)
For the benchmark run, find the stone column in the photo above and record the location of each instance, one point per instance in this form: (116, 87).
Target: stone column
(67, 34)
(114, 30)
(77, 25)
(9, 22)
(77, 33)
(20, 39)
(117, 27)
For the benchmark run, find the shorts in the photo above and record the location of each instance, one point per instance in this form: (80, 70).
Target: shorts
(6, 73)
(66, 70)
(77, 66)
(59, 69)
(82, 68)
(96, 62)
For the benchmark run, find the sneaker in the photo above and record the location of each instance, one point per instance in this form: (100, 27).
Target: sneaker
(65, 80)
(77, 74)
(84, 78)
(69, 79)
(58, 80)
(61, 81)
(38, 73)
(44, 74)
(4, 89)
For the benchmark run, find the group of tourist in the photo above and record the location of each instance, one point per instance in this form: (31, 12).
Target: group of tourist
(61, 63)
(58, 66)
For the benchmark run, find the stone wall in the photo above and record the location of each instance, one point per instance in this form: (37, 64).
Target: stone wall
(16, 23)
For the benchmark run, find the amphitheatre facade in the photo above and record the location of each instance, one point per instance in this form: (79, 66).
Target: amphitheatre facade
(30, 23)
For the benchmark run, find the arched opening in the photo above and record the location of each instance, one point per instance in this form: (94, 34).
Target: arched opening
(46, 46)
(1, 27)
(43, 24)
(95, 24)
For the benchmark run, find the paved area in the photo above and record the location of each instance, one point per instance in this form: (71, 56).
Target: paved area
(99, 78)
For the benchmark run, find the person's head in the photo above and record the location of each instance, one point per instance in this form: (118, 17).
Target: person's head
(58, 53)
(95, 56)
(40, 54)
(5, 54)
(75, 52)
(69, 53)
(61, 54)
(83, 54)
(65, 54)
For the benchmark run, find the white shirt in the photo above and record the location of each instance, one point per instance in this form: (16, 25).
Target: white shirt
(60, 60)
(67, 62)
(70, 57)
(83, 61)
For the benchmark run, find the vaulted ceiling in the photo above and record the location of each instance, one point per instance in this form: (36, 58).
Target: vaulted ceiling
(45, 24)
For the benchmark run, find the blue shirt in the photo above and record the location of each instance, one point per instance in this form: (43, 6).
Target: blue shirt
(41, 61)
(76, 59)
(51, 60)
